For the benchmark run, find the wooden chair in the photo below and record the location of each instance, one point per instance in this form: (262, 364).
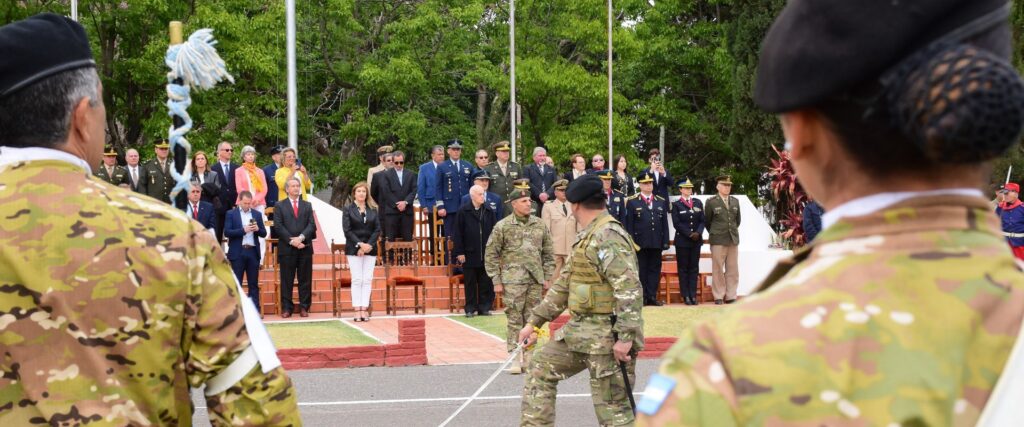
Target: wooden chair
(663, 284)
(399, 255)
(339, 281)
(455, 285)
(270, 265)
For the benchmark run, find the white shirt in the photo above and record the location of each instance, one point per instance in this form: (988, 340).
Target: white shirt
(876, 202)
(11, 155)
(247, 239)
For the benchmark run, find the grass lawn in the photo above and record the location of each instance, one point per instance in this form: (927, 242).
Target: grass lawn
(666, 321)
(317, 334)
(495, 324)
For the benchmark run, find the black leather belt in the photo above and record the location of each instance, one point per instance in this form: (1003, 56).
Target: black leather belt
(248, 246)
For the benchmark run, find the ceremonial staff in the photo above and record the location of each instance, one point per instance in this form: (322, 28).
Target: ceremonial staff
(193, 64)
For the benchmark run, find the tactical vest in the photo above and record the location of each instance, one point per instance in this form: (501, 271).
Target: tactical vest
(588, 294)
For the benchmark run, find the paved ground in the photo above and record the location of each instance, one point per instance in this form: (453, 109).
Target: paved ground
(427, 395)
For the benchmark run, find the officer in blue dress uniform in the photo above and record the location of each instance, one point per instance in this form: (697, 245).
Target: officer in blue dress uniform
(614, 198)
(688, 220)
(647, 221)
(455, 176)
(492, 200)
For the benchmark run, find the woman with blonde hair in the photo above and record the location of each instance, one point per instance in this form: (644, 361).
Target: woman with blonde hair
(361, 224)
(251, 178)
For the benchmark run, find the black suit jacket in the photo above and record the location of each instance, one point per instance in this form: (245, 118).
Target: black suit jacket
(286, 226)
(540, 182)
(387, 191)
(228, 191)
(140, 186)
(359, 229)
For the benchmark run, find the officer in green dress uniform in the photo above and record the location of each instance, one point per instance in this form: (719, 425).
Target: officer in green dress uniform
(109, 171)
(601, 288)
(504, 173)
(905, 308)
(112, 306)
(159, 172)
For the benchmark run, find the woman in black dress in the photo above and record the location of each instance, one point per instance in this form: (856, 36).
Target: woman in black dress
(622, 180)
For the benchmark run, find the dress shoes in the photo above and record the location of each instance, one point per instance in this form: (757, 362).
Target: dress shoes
(719, 302)
(303, 312)
(470, 315)
(286, 314)
(657, 303)
(730, 301)
(485, 313)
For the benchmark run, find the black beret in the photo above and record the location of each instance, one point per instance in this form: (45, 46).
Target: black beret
(39, 47)
(583, 188)
(820, 48)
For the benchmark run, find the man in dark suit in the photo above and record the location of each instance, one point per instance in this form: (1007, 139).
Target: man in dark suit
(662, 179)
(158, 171)
(296, 229)
(394, 190)
(228, 193)
(473, 226)
(137, 178)
(244, 228)
(199, 210)
(688, 220)
(269, 171)
(542, 177)
(647, 222)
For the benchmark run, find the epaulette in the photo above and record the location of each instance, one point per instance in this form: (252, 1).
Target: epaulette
(637, 195)
(657, 197)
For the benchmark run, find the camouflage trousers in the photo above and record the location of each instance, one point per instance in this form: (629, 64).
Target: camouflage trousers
(519, 299)
(553, 362)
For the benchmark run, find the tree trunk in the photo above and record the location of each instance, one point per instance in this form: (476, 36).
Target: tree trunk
(481, 116)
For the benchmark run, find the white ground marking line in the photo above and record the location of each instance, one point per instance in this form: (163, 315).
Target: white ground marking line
(429, 400)
(351, 324)
(475, 329)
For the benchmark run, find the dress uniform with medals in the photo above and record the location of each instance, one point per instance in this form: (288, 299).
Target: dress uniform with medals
(492, 200)
(381, 151)
(907, 308)
(616, 200)
(601, 289)
(159, 174)
(112, 306)
(115, 174)
(647, 221)
(454, 178)
(503, 176)
(688, 220)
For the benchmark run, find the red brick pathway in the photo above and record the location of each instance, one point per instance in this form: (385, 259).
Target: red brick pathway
(448, 341)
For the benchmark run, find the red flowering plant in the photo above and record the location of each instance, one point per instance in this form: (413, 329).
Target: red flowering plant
(790, 199)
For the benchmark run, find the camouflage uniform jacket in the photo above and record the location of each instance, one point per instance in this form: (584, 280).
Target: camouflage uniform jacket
(519, 251)
(904, 316)
(611, 250)
(113, 305)
(118, 177)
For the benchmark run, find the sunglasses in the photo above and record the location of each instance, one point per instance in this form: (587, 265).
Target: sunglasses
(482, 157)
(598, 160)
(399, 163)
(228, 149)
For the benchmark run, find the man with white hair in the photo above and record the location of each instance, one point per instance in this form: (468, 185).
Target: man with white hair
(228, 194)
(136, 174)
(542, 177)
(473, 226)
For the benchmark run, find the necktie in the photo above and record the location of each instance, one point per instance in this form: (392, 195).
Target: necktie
(135, 177)
(564, 210)
(648, 200)
(227, 175)
(399, 173)
(195, 210)
(295, 207)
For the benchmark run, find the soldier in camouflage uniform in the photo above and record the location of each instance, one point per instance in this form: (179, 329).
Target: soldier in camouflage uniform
(109, 171)
(112, 305)
(600, 286)
(904, 309)
(519, 258)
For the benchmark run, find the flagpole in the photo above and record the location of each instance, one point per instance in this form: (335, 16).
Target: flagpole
(512, 74)
(74, 10)
(610, 138)
(293, 132)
